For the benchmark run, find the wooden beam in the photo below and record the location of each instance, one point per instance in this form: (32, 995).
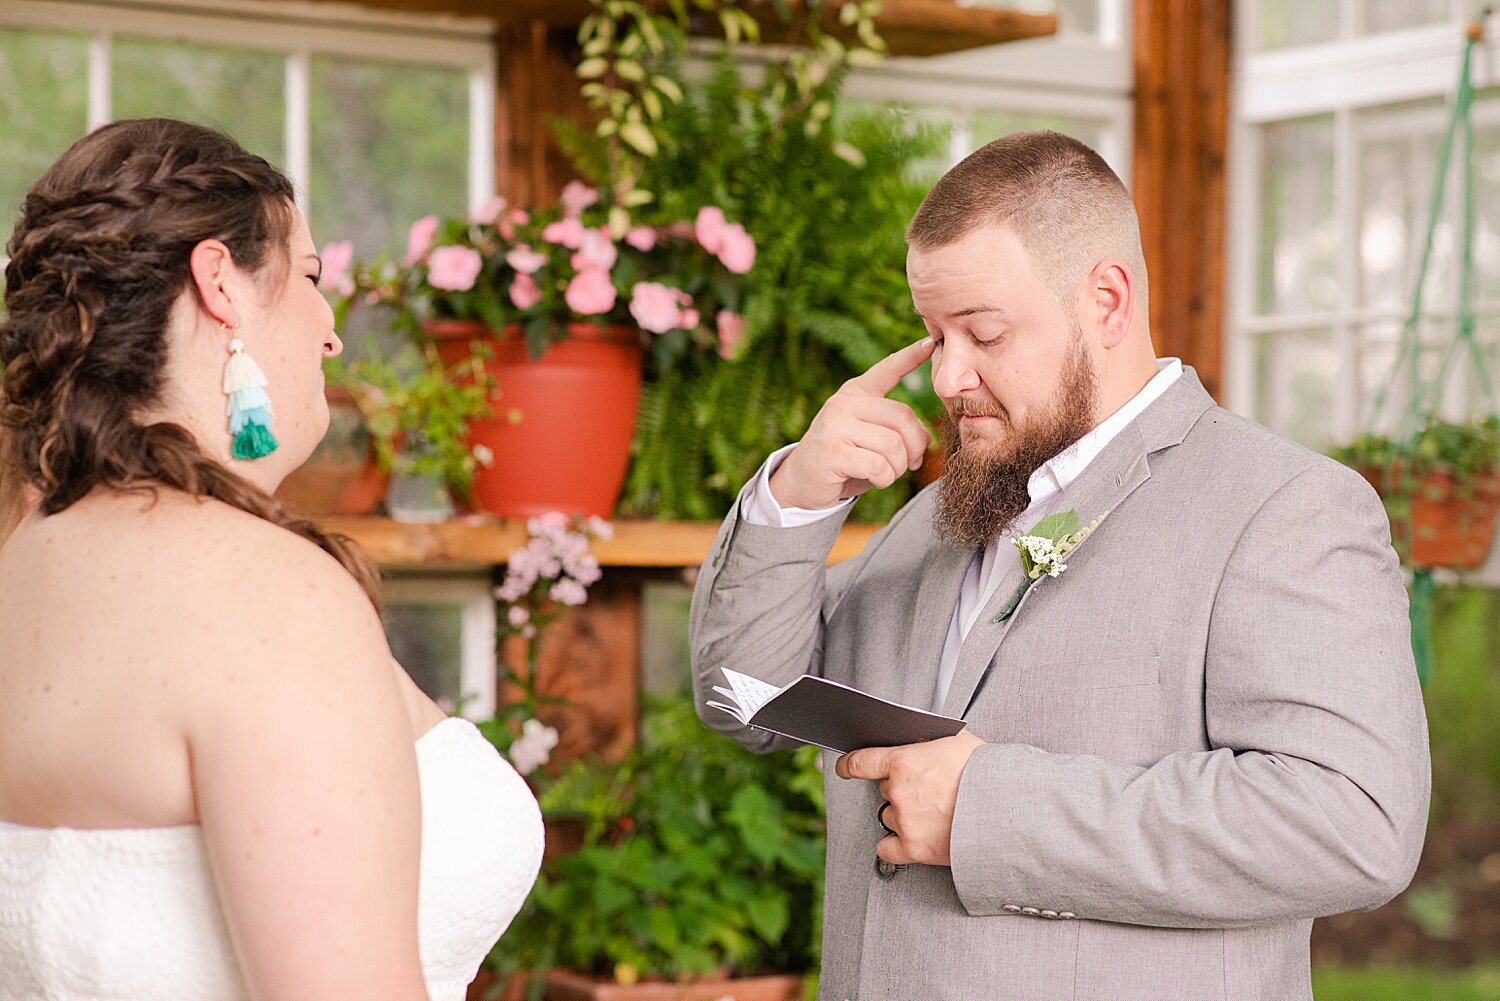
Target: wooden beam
(1181, 138)
(535, 83)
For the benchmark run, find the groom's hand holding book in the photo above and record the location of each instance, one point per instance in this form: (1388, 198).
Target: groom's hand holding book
(920, 782)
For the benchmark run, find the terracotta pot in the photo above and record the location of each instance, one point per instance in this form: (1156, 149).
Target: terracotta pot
(341, 476)
(564, 985)
(1447, 530)
(563, 423)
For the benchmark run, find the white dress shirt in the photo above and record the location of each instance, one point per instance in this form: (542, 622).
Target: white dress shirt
(988, 567)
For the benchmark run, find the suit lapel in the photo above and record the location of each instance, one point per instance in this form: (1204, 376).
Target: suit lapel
(937, 597)
(1103, 486)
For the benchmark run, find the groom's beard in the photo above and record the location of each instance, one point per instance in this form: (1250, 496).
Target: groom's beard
(984, 485)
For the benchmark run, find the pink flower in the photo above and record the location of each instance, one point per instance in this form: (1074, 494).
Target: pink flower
(565, 232)
(642, 238)
(736, 249)
(731, 328)
(577, 196)
(525, 292)
(689, 319)
(517, 616)
(489, 211)
(543, 523)
(453, 268)
(708, 228)
(600, 528)
(568, 592)
(336, 260)
(596, 251)
(519, 217)
(419, 238)
(524, 259)
(590, 292)
(657, 307)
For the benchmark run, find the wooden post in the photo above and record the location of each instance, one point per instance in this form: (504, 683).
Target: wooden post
(535, 84)
(1182, 50)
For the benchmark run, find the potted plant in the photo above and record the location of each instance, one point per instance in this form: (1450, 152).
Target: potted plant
(1441, 488)
(567, 299)
(698, 876)
(417, 412)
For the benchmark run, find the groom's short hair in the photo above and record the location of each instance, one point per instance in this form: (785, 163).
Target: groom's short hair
(1067, 207)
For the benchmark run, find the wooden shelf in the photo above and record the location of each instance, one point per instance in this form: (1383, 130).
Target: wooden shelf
(910, 27)
(483, 541)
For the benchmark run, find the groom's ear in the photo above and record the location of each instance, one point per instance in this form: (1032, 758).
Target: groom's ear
(1111, 301)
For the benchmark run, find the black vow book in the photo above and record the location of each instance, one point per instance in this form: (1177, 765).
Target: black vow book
(818, 711)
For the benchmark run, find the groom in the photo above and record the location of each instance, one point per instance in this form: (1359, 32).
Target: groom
(1201, 731)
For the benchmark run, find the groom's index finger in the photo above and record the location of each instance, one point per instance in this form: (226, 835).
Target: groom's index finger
(886, 374)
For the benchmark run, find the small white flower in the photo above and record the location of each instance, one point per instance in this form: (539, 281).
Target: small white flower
(534, 747)
(517, 616)
(484, 455)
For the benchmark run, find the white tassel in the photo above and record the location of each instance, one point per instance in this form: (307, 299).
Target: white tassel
(241, 370)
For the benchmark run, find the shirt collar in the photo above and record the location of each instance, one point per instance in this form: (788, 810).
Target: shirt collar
(1058, 472)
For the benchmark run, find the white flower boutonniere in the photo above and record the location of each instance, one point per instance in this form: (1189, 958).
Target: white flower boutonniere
(1045, 548)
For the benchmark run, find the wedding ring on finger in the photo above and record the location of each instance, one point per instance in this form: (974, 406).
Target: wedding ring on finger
(880, 818)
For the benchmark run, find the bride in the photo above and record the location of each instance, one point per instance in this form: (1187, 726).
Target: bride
(215, 782)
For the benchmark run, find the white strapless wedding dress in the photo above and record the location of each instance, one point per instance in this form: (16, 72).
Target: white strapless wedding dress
(132, 915)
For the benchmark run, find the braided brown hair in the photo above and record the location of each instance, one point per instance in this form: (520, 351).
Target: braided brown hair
(97, 261)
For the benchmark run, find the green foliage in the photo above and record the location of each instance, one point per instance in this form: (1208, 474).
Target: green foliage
(1378, 983)
(1463, 702)
(697, 856)
(827, 208)
(1461, 450)
(418, 412)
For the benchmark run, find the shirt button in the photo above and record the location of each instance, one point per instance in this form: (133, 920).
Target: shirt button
(884, 869)
(1031, 911)
(1066, 914)
(1049, 914)
(1012, 908)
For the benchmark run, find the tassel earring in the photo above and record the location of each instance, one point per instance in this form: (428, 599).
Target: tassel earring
(250, 414)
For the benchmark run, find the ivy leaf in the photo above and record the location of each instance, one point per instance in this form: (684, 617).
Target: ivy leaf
(1056, 526)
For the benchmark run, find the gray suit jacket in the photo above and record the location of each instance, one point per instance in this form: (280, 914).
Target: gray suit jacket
(1202, 735)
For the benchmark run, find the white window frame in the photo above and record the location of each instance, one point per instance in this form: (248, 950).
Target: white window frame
(295, 31)
(474, 594)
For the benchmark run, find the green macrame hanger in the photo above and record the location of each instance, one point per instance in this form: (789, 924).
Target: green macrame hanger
(1423, 395)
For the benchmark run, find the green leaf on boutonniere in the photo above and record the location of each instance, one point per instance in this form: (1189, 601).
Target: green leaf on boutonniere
(1056, 526)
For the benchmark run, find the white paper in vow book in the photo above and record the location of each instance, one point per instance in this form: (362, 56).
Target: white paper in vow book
(818, 711)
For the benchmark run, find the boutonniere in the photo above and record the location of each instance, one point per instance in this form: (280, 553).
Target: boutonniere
(1045, 548)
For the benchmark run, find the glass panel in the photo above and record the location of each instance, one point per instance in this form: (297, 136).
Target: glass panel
(1486, 118)
(43, 109)
(390, 143)
(236, 90)
(1285, 23)
(1397, 162)
(666, 661)
(427, 640)
(1298, 237)
(992, 123)
(1381, 366)
(1393, 15)
(1294, 385)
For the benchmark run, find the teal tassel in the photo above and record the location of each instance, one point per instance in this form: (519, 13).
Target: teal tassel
(254, 442)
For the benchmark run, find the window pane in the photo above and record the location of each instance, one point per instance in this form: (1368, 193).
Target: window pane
(1487, 193)
(236, 90)
(43, 109)
(1298, 244)
(992, 123)
(666, 660)
(1080, 16)
(389, 145)
(1397, 162)
(1382, 368)
(1294, 385)
(1393, 15)
(427, 640)
(1286, 23)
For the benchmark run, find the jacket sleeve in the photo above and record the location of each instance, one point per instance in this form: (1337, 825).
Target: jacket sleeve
(1313, 797)
(759, 607)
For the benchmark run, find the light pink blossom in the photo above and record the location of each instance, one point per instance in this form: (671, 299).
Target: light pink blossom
(489, 212)
(731, 328)
(657, 307)
(525, 292)
(519, 217)
(642, 238)
(736, 249)
(596, 250)
(419, 238)
(533, 748)
(708, 228)
(453, 268)
(336, 260)
(577, 196)
(590, 292)
(565, 232)
(599, 528)
(524, 259)
(569, 592)
(518, 616)
(689, 319)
